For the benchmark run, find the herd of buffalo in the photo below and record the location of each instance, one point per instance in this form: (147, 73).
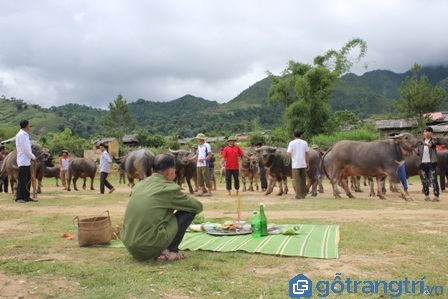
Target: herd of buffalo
(344, 162)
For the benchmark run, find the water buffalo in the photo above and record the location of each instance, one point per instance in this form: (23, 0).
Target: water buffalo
(222, 174)
(250, 169)
(372, 159)
(138, 165)
(52, 172)
(10, 167)
(42, 171)
(81, 168)
(278, 167)
(184, 168)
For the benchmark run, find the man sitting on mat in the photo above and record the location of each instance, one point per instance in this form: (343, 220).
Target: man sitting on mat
(151, 228)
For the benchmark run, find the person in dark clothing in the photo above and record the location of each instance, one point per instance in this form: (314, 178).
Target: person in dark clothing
(428, 163)
(264, 181)
(4, 180)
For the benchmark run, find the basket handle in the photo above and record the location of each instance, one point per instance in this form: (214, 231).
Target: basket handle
(107, 211)
(77, 218)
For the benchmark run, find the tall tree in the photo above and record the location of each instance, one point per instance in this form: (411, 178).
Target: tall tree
(305, 90)
(418, 96)
(119, 120)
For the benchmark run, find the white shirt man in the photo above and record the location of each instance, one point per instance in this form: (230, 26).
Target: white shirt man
(298, 151)
(105, 162)
(24, 157)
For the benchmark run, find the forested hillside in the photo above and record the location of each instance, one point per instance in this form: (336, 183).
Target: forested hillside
(369, 95)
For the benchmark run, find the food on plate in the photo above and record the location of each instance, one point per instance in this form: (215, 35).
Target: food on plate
(230, 225)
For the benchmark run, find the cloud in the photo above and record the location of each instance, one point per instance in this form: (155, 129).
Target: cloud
(56, 52)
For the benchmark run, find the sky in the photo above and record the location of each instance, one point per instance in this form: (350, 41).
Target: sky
(55, 52)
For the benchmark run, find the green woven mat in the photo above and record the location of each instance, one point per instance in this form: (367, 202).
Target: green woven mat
(315, 241)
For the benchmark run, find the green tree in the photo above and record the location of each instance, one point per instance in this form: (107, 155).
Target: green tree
(56, 142)
(119, 120)
(343, 118)
(306, 90)
(155, 141)
(418, 96)
(254, 138)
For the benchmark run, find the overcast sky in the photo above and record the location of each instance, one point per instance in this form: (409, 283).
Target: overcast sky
(55, 52)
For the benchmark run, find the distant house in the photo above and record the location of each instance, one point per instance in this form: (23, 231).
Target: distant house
(438, 121)
(130, 140)
(111, 144)
(216, 139)
(388, 126)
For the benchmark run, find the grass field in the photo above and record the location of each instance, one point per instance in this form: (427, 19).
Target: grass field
(380, 240)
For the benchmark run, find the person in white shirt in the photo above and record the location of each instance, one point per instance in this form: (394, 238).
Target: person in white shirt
(105, 162)
(203, 155)
(299, 153)
(24, 157)
(64, 162)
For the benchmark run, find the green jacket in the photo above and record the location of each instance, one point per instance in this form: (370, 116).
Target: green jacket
(149, 224)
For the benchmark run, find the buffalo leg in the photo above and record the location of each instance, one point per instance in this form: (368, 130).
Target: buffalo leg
(256, 184)
(344, 183)
(91, 183)
(84, 185)
(243, 180)
(285, 185)
(380, 183)
(372, 188)
(334, 185)
(280, 186)
(190, 188)
(74, 183)
(271, 182)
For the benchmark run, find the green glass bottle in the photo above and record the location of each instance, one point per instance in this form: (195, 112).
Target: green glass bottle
(255, 224)
(263, 221)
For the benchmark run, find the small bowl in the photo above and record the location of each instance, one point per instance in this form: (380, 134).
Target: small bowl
(241, 222)
(208, 227)
(247, 227)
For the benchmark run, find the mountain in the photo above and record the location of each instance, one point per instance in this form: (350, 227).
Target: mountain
(374, 92)
(368, 95)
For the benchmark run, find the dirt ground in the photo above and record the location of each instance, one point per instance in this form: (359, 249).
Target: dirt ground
(18, 286)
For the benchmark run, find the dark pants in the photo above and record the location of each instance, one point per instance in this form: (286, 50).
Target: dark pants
(24, 183)
(184, 219)
(264, 181)
(299, 182)
(428, 172)
(235, 174)
(4, 184)
(104, 182)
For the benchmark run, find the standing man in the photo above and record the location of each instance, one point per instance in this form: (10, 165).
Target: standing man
(203, 155)
(64, 162)
(24, 157)
(4, 181)
(105, 162)
(158, 214)
(264, 181)
(230, 155)
(428, 163)
(298, 151)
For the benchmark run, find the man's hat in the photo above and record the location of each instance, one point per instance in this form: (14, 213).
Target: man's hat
(231, 138)
(64, 151)
(194, 146)
(201, 136)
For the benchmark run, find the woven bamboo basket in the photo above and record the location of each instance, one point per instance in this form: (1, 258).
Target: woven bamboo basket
(96, 230)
